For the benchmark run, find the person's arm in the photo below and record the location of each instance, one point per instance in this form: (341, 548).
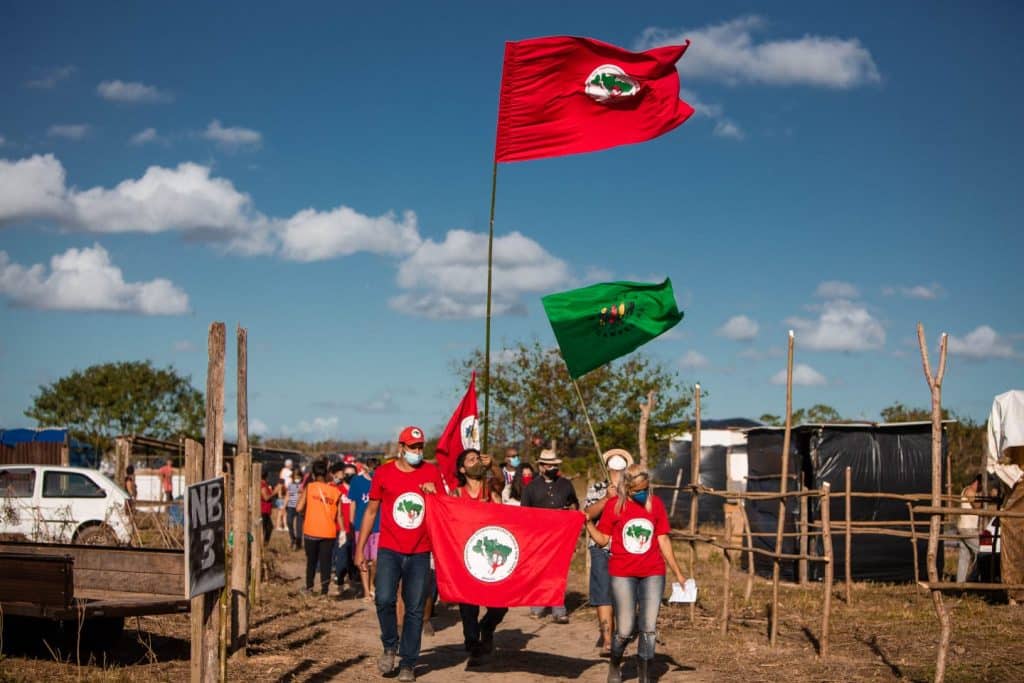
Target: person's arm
(364, 532)
(300, 506)
(600, 538)
(665, 546)
(595, 509)
(340, 516)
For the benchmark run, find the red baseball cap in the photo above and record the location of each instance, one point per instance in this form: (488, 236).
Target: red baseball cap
(411, 435)
(349, 459)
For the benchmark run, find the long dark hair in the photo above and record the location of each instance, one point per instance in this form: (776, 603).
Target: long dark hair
(460, 461)
(516, 490)
(320, 469)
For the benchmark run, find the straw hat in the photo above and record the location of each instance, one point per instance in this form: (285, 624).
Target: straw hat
(625, 459)
(548, 457)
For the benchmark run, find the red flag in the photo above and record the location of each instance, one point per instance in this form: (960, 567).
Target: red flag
(501, 555)
(462, 432)
(566, 95)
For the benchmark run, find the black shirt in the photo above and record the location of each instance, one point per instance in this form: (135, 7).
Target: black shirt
(554, 495)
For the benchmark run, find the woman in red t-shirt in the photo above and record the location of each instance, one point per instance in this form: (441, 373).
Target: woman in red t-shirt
(637, 527)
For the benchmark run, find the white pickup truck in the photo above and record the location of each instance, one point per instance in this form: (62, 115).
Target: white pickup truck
(54, 504)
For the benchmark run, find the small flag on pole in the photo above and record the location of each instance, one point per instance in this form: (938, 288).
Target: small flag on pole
(462, 432)
(597, 324)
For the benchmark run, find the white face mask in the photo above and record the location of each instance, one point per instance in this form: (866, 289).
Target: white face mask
(413, 458)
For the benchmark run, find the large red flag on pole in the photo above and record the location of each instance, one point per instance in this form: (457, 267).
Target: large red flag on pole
(462, 432)
(566, 95)
(501, 555)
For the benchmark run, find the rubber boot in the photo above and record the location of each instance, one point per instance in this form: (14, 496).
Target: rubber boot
(615, 668)
(643, 672)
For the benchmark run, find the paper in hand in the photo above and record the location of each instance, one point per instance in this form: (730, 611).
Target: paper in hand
(686, 592)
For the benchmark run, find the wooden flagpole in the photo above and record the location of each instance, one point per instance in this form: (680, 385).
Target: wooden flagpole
(487, 334)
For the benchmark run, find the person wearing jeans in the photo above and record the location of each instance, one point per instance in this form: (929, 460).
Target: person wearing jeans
(294, 522)
(635, 524)
(400, 490)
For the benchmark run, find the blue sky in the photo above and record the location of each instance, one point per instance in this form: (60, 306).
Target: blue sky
(321, 175)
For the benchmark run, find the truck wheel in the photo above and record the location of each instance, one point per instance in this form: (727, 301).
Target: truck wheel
(98, 534)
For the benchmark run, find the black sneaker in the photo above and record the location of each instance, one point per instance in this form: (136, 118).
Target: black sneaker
(386, 662)
(562, 619)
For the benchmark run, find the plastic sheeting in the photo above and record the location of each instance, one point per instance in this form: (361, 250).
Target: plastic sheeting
(892, 458)
(712, 475)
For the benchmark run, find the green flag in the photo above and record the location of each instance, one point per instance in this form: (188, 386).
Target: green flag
(599, 323)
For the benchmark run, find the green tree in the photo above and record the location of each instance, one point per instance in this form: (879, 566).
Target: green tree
(106, 400)
(531, 394)
(816, 414)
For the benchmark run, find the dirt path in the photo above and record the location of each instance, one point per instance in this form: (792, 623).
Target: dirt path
(338, 639)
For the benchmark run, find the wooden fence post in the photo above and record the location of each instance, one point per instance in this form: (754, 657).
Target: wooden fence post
(240, 560)
(645, 416)
(675, 494)
(913, 540)
(803, 537)
(695, 454)
(849, 538)
(213, 466)
(256, 568)
(727, 576)
(783, 481)
(122, 456)
(750, 554)
(193, 475)
(826, 541)
(935, 385)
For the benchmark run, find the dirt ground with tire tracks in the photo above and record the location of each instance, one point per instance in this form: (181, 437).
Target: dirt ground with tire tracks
(889, 633)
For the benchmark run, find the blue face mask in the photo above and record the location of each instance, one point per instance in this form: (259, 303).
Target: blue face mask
(413, 459)
(640, 497)
(514, 461)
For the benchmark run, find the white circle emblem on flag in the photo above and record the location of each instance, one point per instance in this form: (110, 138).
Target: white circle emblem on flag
(491, 554)
(609, 82)
(408, 510)
(637, 535)
(469, 430)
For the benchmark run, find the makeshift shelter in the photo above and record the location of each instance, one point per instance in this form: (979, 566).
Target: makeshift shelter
(723, 445)
(51, 446)
(883, 458)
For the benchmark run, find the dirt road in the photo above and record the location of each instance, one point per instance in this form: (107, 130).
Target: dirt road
(338, 639)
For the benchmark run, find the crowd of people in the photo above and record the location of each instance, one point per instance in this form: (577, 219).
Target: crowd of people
(345, 517)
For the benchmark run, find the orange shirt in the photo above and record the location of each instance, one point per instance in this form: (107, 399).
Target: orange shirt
(321, 520)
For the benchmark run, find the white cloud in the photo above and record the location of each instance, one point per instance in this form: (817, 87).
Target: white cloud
(312, 235)
(738, 328)
(146, 136)
(727, 129)
(232, 137)
(71, 131)
(132, 92)
(317, 427)
(694, 360)
(257, 426)
(926, 292)
(449, 279)
(184, 346)
(803, 376)
(49, 78)
(836, 289)
(981, 343)
(757, 354)
(86, 280)
(729, 53)
(841, 326)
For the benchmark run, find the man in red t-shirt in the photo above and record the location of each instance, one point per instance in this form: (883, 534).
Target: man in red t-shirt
(399, 491)
(167, 480)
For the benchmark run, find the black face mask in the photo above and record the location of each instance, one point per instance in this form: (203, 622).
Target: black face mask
(347, 477)
(551, 473)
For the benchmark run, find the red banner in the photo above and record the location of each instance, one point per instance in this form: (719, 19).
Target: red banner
(501, 555)
(566, 95)
(462, 432)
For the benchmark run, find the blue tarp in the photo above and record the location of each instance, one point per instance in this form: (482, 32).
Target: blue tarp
(79, 454)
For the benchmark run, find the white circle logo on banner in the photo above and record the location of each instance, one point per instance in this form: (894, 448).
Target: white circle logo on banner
(491, 554)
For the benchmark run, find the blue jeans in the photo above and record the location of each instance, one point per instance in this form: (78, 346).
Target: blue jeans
(294, 523)
(600, 581)
(413, 573)
(340, 556)
(629, 594)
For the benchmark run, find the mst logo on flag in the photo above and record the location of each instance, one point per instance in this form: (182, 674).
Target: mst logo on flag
(500, 555)
(491, 554)
(609, 82)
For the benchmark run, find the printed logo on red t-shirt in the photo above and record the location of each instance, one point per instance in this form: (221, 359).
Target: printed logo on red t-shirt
(408, 510)
(636, 535)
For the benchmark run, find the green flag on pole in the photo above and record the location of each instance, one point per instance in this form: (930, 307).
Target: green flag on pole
(599, 323)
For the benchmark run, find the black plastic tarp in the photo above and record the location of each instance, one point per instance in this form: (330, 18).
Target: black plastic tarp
(712, 475)
(893, 458)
